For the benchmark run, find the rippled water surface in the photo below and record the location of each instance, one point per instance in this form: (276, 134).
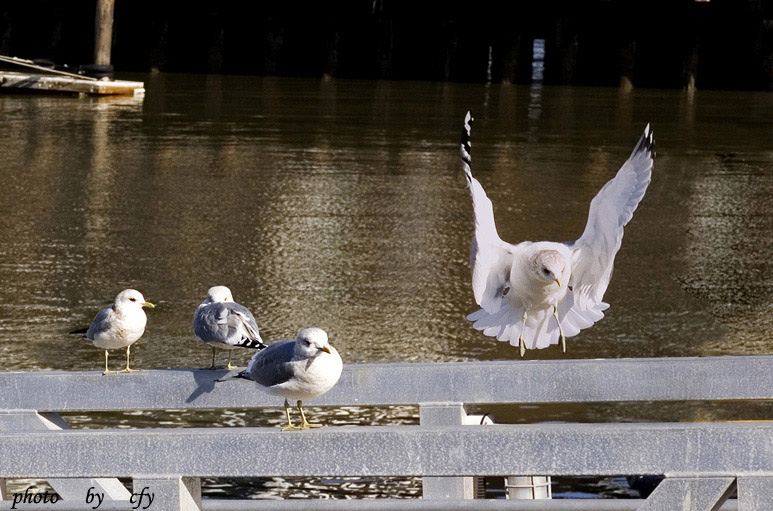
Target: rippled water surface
(340, 204)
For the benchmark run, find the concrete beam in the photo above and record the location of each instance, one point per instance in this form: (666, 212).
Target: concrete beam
(703, 449)
(690, 494)
(539, 381)
(445, 414)
(755, 493)
(70, 489)
(168, 493)
(380, 505)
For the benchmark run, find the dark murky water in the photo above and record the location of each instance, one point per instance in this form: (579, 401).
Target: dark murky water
(340, 204)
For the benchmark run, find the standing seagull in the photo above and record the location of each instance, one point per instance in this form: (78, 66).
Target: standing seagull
(537, 294)
(224, 324)
(301, 369)
(119, 325)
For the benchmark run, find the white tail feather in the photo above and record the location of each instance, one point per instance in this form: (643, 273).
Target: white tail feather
(541, 329)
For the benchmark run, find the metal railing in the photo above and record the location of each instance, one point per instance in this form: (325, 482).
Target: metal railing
(704, 462)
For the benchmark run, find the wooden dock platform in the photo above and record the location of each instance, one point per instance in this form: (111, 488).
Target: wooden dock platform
(22, 81)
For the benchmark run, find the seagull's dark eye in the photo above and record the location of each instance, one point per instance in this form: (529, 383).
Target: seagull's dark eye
(545, 271)
(133, 299)
(307, 343)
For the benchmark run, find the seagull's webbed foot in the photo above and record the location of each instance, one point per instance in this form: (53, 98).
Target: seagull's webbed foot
(290, 426)
(560, 330)
(521, 341)
(306, 424)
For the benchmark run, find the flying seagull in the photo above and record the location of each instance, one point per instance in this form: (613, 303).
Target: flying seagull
(224, 324)
(535, 294)
(301, 369)
(119, 325)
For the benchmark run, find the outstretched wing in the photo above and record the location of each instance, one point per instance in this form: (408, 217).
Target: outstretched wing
(490, 257)
(594, 252)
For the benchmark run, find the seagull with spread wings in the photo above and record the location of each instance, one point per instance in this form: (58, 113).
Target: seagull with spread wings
(535, 294)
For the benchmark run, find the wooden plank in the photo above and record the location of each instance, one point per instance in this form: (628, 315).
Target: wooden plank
(686, 450)
(52, 83)
(565, 381)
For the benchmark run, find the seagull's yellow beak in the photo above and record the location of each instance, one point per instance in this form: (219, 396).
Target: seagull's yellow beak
(558, 282)
(148, 305)
(326, 349)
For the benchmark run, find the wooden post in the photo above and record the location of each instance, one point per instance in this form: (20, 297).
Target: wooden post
(690, 67)
(103, 33)
(626, 60)
(331, 67)
(384, 32)
(510, 50)
(561, 48)
(274, 40)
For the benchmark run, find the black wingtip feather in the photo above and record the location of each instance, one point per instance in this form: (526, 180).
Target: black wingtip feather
(80, 331)
(646, 142)
(255, 344)
(466, 145)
